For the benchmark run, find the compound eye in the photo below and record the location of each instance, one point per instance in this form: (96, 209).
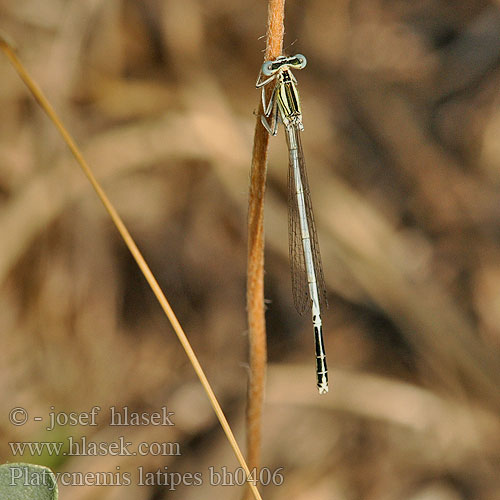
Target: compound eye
(301, 61)
(267, 68)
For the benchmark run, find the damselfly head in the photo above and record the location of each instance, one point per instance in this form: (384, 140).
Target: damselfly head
(297, 61)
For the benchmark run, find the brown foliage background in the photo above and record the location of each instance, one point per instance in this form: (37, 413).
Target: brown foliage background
(402, 127)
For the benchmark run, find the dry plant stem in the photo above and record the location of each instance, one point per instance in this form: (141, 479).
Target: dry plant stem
(127, 238)
(255, 266)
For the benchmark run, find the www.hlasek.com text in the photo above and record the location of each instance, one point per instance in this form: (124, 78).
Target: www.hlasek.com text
(83, 447)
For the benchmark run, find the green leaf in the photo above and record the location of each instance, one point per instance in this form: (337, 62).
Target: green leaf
(27, 482)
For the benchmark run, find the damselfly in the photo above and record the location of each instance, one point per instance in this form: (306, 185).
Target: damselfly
(307, 273)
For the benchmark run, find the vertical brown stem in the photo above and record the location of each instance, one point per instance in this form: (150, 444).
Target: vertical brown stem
(255, 270)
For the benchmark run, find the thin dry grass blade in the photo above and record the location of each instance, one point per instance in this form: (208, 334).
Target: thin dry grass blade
(127, 238)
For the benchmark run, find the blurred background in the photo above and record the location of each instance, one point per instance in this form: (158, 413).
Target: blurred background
(402, 138)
